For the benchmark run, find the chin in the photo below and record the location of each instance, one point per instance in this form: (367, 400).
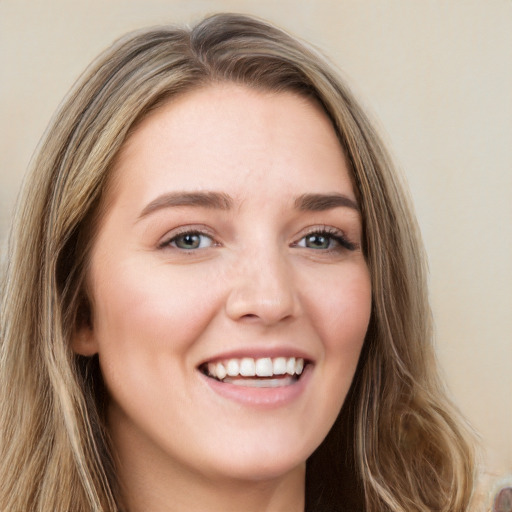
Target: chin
(259, 470)
(265, 457)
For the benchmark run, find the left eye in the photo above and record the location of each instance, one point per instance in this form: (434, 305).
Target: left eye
(190, 241)
(317, 241)
(325, 241)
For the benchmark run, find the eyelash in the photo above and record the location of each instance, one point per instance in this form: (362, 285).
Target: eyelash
(342, 243)
(168, 241)
(334, 235)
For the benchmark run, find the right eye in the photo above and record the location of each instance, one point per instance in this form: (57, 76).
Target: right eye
(189, 241)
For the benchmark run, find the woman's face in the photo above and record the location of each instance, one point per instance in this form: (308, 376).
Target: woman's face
(228, 258)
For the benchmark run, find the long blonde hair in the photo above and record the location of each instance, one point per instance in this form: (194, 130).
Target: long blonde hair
(397, 445)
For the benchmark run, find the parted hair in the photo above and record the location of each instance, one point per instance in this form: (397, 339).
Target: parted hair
(398, 443)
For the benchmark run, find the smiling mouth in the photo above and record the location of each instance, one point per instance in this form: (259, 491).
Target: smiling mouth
(265, 372)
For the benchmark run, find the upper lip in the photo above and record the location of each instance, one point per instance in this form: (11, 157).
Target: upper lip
(258, 353)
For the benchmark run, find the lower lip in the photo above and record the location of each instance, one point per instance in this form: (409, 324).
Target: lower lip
(261, 397)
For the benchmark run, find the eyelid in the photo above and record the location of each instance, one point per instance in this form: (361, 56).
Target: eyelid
(334, 233)
(202, 230)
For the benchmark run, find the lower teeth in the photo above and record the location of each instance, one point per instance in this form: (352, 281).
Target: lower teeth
(261, 383)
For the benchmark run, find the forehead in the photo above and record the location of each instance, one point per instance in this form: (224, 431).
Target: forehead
(224, 135)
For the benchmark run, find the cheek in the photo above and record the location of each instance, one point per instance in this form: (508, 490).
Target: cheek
(147, 330)
(342, 308)
(339, 307)
(340, 315)
(145, 309)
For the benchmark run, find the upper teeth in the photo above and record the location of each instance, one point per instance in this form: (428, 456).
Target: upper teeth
(263, 367)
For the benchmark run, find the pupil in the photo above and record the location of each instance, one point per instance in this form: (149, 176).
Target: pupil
(318, 242)
(190, 241)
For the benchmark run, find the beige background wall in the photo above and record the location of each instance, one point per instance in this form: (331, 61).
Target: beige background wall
(438, 76)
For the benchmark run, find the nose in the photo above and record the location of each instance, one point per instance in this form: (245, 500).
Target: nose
(262, 289)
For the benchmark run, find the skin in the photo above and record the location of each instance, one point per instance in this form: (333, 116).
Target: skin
(257, 282)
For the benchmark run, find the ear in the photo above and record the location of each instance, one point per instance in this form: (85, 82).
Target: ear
(83, 341)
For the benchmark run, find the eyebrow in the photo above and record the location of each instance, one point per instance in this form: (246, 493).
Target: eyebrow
(321, 202)
(221, 201)
(213, 200)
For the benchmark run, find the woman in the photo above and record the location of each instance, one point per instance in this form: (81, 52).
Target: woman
(215, 295)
